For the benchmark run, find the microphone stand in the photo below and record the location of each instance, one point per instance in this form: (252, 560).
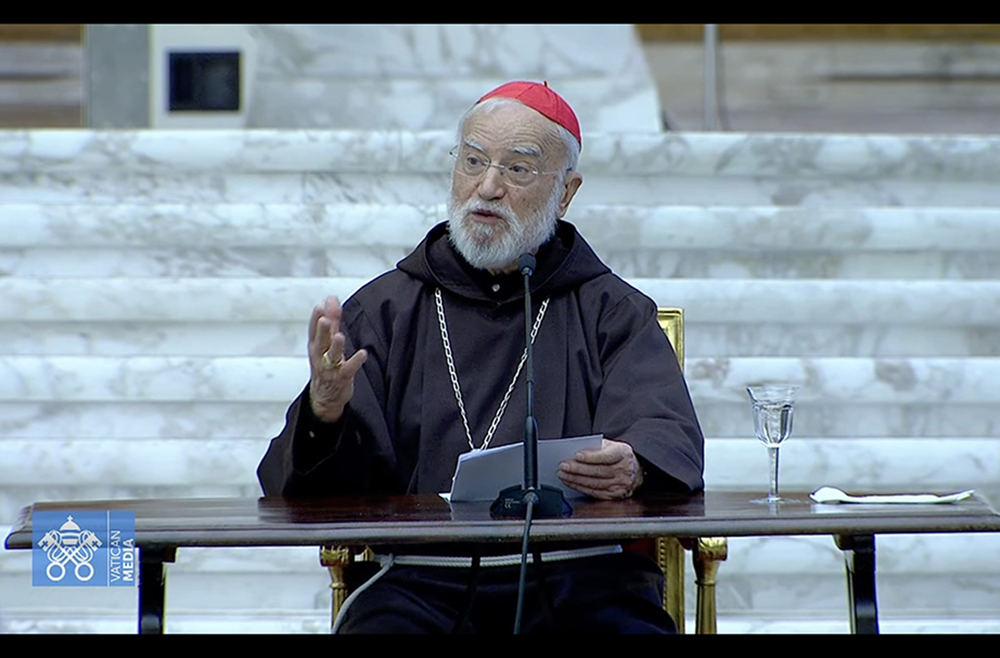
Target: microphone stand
(530, 499)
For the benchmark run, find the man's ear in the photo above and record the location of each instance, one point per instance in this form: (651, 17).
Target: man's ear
(572, 183)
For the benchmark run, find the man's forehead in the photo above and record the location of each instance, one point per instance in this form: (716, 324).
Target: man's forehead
(513, 128)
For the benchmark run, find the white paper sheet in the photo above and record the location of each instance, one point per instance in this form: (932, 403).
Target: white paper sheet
(481, 474)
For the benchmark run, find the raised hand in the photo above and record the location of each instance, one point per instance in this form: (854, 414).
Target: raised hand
(331, 384)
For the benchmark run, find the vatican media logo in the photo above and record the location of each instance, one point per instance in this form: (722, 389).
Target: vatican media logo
(84, 549)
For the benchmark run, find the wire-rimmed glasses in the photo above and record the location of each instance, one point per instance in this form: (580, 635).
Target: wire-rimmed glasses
(473, 163)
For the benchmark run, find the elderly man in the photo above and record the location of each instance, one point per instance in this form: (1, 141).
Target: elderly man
(423, 364)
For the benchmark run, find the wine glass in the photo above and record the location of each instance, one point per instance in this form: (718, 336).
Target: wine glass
(772, 422)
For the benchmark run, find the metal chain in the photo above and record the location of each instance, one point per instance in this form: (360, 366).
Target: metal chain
(454, 374)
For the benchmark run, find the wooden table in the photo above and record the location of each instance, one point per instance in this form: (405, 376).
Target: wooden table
(164, 525)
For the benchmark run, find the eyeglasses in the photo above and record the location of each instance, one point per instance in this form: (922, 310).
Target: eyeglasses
(474, 164)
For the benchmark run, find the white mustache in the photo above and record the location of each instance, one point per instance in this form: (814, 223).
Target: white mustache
(495, 208)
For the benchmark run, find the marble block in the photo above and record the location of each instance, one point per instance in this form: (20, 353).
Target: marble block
(444, 52)
(612, 105)
(419, 77)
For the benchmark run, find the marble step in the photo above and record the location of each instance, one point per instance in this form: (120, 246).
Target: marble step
(113, 186)
(719, 338)
(828, 381)
(99, 467)
(750, 229)
(271, 166)
(631, 262)
(247, 397)
(282, 240)
(214, 300)
(363, 239)
(46, 418)
(858, 159)
(937, 418)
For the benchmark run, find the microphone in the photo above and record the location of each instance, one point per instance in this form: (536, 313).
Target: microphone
(529, 500)
(526, 263)
(549, 502)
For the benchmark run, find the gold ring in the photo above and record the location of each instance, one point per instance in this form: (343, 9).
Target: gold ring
(328, 363)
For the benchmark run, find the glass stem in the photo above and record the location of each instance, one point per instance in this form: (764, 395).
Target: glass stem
(773, 454)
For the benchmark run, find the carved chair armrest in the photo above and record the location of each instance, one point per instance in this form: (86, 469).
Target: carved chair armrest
(337, 559)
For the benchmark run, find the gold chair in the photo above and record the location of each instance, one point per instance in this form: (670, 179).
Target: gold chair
(706, 552)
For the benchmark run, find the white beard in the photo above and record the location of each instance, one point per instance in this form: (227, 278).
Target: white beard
(495, 247)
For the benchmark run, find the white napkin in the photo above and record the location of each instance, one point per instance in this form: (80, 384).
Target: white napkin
(833, 495)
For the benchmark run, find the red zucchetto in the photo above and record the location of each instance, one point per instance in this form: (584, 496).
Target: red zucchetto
(541, 99)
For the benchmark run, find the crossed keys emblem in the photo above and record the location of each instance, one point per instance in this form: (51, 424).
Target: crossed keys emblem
(69, 544)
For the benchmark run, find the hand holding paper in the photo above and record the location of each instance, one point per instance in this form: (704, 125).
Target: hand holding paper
(481, 474)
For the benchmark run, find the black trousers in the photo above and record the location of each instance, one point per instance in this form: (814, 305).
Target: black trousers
(619, 593)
